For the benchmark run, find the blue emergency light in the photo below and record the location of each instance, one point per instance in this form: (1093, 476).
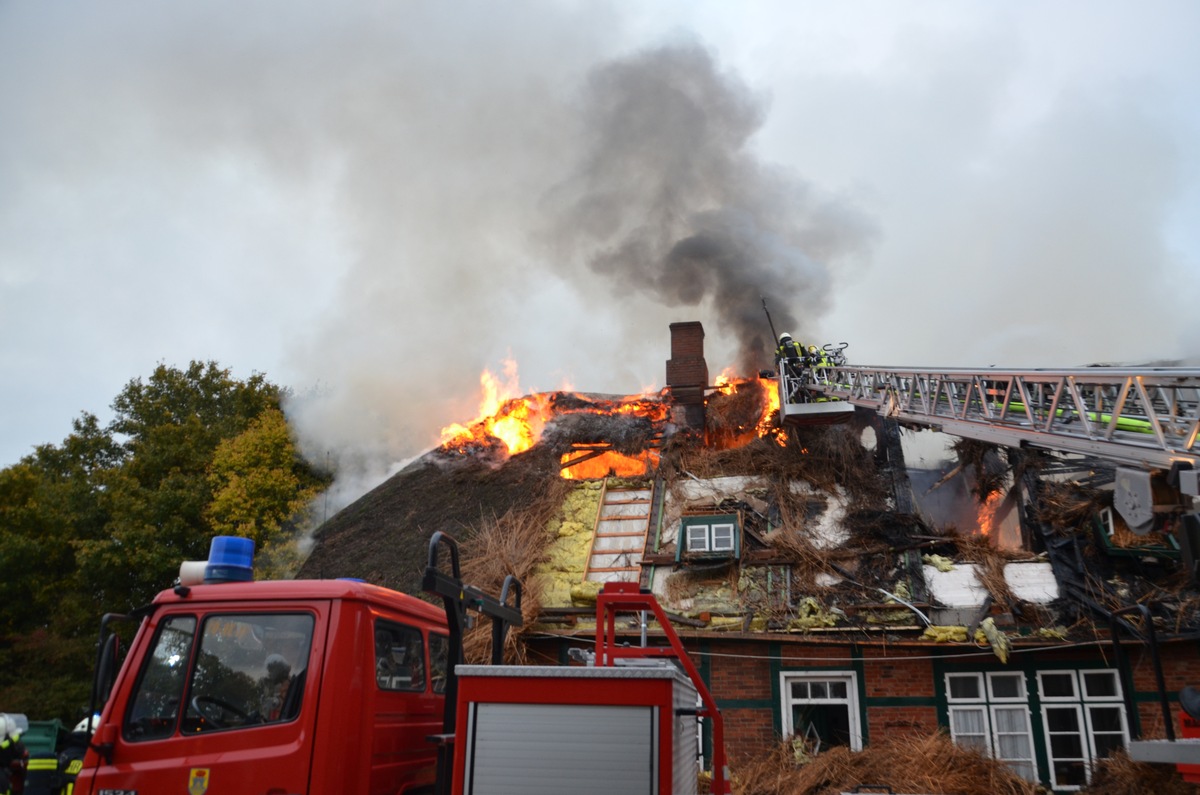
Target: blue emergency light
(230, 559)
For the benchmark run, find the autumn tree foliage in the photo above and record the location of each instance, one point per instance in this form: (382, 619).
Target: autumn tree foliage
(100, 522)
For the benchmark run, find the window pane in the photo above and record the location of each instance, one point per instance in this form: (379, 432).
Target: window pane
(697, 538)
(1006, 685)
(1100, 684)
(1105, 719)
(439, 656)
(399, 657)
(966, 721)
(977, 741)
(1025, 770)
(722, 535)
(964, 687)
(1013, 746)
(1066, 746)
(1070, 774)
(155, 706)
(1106, 744)
(249, 670)
(1011, 720)
(1062, 719)
(829, 722)
(820, 708)
(1058, 685)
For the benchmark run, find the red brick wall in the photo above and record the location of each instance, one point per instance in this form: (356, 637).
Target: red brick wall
(687, 340)
(885, 721)
(1181, 667)
(743, 677)
(890, 677)
(687, 372)
(748, 732)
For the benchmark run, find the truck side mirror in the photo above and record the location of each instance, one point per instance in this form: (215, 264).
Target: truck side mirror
(106, 665)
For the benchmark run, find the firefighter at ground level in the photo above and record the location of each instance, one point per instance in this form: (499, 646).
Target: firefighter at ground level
(12, 753)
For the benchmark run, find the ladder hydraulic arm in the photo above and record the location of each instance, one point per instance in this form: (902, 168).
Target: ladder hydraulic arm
(1146, 417)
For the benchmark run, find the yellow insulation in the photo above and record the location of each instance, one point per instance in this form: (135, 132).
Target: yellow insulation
(571, 541)
(945, 634)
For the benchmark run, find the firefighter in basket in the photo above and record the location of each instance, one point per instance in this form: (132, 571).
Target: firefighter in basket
(790, 362)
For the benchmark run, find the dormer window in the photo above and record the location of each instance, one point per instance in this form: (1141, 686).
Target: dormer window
(716, 536)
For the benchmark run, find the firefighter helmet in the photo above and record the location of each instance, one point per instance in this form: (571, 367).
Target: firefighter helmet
(785, 337)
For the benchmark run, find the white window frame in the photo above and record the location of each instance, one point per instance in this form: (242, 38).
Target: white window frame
(704, 538)
(1082, 703)
(988, 705)
(849, 678)
(726, 544)
(697, 538)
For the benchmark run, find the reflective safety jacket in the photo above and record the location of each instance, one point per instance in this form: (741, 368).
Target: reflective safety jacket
(791, 350)
(11, 750)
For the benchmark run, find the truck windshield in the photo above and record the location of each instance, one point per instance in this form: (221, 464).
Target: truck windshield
(247, 670)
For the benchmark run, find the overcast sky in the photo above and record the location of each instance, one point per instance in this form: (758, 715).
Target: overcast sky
(371, 202)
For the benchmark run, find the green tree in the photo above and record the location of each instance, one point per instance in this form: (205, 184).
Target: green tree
(169, 428)
(261, 487)
(48, 502)
(101, 522)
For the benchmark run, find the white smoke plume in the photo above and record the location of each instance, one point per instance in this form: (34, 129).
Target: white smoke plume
(372, 202)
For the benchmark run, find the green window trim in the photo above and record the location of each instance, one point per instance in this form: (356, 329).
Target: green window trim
(710, 536)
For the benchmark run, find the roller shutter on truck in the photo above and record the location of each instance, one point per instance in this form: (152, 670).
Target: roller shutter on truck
(523, 749)
(550, 730)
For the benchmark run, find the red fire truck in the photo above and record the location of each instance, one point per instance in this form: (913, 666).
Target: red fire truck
(338, 686)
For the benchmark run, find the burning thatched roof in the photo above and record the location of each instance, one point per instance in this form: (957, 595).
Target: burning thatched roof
(826, 539)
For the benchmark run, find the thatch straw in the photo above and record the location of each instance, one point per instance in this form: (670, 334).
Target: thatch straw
(825, 457)
(1068, 506)
(984, 460)
(1120, 775)
(906, 763)
(510, 544)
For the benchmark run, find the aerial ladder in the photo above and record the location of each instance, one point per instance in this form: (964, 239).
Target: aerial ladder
(1144, 419)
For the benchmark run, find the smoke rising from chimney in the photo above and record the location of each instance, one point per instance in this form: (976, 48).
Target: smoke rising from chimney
(669, 200)
(373, 202)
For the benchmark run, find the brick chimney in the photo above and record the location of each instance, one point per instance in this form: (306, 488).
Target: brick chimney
(687, 374)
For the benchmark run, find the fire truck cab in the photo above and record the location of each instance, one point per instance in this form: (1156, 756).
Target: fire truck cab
(275, 687)
(337, 686)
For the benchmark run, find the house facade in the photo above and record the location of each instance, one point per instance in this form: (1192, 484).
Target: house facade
(827, 598)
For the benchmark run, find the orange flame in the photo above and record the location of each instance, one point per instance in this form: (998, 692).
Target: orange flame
(609, 463)
(726, 381)
(987, 513)
(515, 421)
(518, 421)
(767, 425)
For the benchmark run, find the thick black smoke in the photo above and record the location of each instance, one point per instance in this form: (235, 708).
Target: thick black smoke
(669, 201)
